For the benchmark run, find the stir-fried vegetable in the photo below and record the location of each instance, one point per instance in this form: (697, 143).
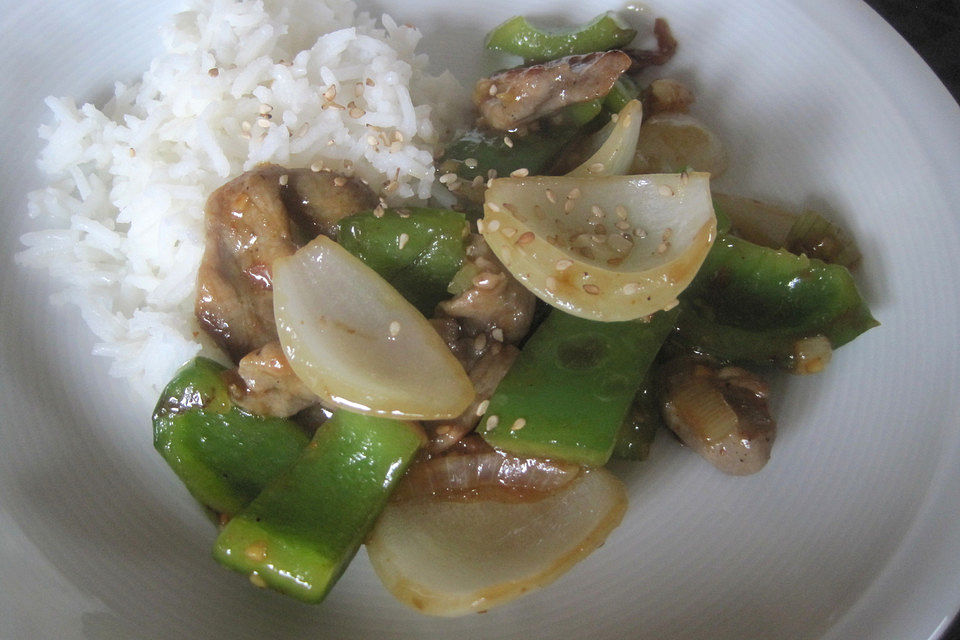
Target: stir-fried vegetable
(519, 37)
(356, 343)
(609, 248)
(641, 424)
(568, 392)
(671, 142)
(447, 557)
(477, 153)
(817, 237)
(417, 250)
(753, 304)
(624, 90)
(303, 529)
(223, 454)
(614, 156)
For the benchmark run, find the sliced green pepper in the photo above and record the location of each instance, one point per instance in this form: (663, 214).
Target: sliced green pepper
(223, 454)
(624, 90)
(641, 424)
(300, 533)
(752, 304)
(478, 152)
(568, 392)
(417, 250)
(519, 37)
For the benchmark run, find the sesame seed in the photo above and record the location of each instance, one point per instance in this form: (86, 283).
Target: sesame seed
(339, 181)
(520, 173)
(497, 334)
(640, 233)
(526, 238)
(626, 120)
(493, 225)
(665, 191)
(370, 82)
(551, 283)
(394, 329)
(489, 183)
(492, 422)
(507, 141)
(257, 580)
(284, 179)
(265, 108)
(574, 193)
(479, 343)
(592, 289)
(443, 430)
(132, 152)
(662, 247)
(621, 211)
(597, 211)
(493, 206)
(447, 178)
(257, 551)
(480, 226)
(667, 234)
(563, 265)
(551, 196)
(398, 136)
(477, 181)
(379, 211)
(493, 90)
(508, 232)
(482, 407)
(316, 167)
(568, 206)
(623, 225)
(357, 112)
(491, 174)
(246, 126)
(518, 424)
(631, 288)
(372, 141)
(330, 93)
(596, 167)
(403, 240)
(358, 89)
(404, 213)
(471, 163)
(614, 262)
(263, 122)
(392, 186)
(614, 117)
(213, 73)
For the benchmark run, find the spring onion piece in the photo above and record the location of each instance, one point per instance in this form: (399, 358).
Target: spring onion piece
(519, 37)
(608, 248)
(671, 142)
(449, 558)
(615, 156)
(817, 237)
(362, 347)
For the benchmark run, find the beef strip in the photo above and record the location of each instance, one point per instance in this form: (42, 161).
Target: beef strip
(509, 99)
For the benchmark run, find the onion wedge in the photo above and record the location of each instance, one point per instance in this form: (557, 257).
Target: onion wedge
(450, 558)
(356, 343)
(608, 248)
(677, 141)
(616, 154)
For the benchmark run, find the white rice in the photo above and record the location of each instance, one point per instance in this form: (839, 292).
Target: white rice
(128, 182)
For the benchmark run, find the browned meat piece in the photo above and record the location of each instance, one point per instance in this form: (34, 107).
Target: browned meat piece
(666, 47)
(721, 413)
(267, 385)
(497, 304)
(252, 220)
(318, 200)
(247, 228)
(665, 95)
(485, 375)
(514, 97)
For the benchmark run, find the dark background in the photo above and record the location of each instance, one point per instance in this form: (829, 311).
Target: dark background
(932, 27)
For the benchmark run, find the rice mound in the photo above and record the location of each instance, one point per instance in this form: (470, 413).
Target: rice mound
(238, 83)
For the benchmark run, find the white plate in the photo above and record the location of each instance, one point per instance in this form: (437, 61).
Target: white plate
(852, 530)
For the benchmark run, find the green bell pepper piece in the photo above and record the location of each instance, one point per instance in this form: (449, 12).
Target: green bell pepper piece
(300, 533)
(624, 90)
(568, 391)
(641, 424)
(486, 151)
(519, 37)
(417, 250)
(752, 304)
(223, 454)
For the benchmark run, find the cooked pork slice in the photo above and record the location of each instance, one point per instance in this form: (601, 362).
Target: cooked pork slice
(268, 386)
(509, 99)
(264, 214)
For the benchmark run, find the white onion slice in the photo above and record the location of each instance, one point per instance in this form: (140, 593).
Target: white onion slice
(605, 248)
(450, 558)
(616, 154)
(677, 141)
(357, 343)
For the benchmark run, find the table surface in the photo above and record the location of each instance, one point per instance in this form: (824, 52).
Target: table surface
(932, 27)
